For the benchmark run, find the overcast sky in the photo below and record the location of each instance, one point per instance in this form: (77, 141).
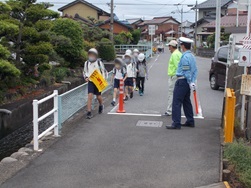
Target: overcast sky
(140, 11)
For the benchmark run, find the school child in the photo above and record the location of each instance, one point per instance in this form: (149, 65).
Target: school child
(92, 64)
(135, 60)
(118, 73)
(142, 73)
(131, 74)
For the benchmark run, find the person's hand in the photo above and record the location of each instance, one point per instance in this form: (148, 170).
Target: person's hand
(87, 79)
(147, 77)
(134, 80)
(193, 86)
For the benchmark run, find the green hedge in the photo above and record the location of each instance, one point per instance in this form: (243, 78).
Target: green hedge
(106, 49)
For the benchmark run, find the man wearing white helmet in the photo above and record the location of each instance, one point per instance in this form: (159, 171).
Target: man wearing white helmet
(172, 78)
(142, 73)
(92, 64)
(186, 78)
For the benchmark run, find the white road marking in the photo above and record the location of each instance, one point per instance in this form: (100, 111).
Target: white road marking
(114, 108)
(135, 114)
(153, 63)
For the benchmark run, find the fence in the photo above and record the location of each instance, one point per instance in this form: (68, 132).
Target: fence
(146, 49)
(229, 116)
(72, 101)
(36, 119)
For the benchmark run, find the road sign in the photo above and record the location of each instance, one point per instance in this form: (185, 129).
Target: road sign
(246, 43)
(246, 85)
(151, 29)
(245, 58)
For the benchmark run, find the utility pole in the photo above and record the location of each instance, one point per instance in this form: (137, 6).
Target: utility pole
(195, 27)
(112, 20)
(218, 23)
(237, 14)
(181, 26)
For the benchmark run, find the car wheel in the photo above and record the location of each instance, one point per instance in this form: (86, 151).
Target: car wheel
(213, 82)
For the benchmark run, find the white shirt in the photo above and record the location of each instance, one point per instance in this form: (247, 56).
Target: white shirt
(130, 70)
(118, 74)
(92, 67)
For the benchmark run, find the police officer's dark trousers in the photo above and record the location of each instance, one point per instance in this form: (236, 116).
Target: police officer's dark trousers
(181, 96)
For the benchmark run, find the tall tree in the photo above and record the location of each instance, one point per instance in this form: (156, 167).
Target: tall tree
(24, 19)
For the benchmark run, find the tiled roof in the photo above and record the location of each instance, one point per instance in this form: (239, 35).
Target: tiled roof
(84, 2)
(133, 20)
(115, 21)
(212, 4)
(155, 20)
(229, 21)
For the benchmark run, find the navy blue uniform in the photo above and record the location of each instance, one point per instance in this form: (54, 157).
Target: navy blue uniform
(187, 74)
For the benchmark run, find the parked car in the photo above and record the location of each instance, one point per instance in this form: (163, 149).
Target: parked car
(217, 73)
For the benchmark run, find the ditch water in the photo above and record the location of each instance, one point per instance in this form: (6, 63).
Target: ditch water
(20, 137)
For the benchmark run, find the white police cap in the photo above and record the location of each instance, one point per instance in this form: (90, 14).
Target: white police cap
(185, 40)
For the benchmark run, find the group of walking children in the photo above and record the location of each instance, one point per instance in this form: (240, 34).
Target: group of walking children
(132, 69)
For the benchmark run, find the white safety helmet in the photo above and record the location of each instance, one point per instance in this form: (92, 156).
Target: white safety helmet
(136, 51)
(141, 57)
(94, 51)
(128, 52)
(128, 55)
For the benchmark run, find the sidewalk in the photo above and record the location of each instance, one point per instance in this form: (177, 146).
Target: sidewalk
(110, 151)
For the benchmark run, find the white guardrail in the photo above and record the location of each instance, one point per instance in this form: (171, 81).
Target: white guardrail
(36, 119)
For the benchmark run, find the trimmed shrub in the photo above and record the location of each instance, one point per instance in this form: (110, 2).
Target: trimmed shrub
(106, 50)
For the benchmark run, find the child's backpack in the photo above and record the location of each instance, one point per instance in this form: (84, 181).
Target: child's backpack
(123, 70)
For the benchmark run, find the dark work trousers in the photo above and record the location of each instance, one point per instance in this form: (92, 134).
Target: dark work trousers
(181, 96)
(141, 83)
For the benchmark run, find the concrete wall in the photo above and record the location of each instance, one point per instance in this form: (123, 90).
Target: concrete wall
(82, 10)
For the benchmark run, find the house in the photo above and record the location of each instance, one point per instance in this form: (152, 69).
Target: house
(208, 8)
(84, 10)
(187, 30)
(207, 14)
(166, 27)
(118, 26)
(134, 22)
(229, 21)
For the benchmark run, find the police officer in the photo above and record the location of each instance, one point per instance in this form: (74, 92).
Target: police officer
(186, 75)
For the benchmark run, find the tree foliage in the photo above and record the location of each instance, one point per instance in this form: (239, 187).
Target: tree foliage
(70, 31)
(106, 49)
(136, 36)
(94, 34)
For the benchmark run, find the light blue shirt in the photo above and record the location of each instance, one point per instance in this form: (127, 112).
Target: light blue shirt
(187, 67)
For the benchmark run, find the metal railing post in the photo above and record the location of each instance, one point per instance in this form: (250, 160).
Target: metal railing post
(35, 125)
(59, 113)
(56, 131)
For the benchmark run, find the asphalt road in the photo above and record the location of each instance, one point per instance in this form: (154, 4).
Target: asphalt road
(110, 151)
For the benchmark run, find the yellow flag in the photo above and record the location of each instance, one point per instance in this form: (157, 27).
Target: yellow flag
(98, 80)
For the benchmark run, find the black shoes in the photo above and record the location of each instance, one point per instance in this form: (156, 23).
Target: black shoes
(113, 103)
(101, 109)
(131, 95)
(188, 125)
(173, 127)
(89, 115)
